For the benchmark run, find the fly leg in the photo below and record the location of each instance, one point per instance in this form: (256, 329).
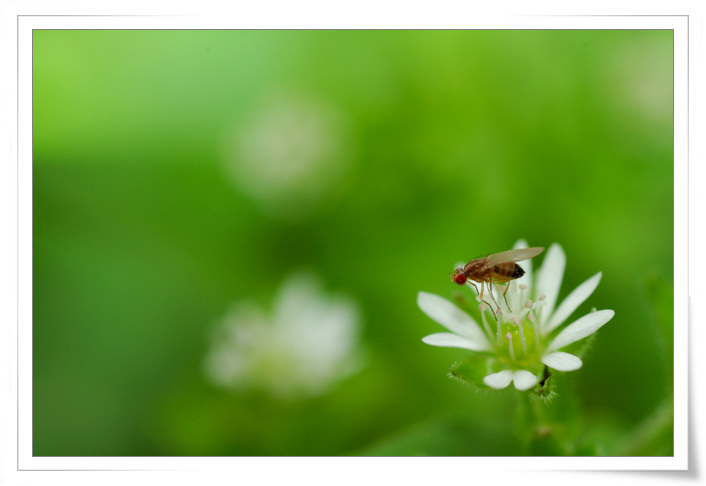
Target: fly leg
(505, 296)
(490, 287)
(486, 303)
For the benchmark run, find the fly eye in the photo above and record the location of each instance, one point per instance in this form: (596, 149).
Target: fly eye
(459, 277)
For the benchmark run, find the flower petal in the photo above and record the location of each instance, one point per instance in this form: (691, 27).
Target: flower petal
(585, 326)
(450, 340)
(524, 380)
(499, 380)
(452, 318)
(562, 361)
(549, 279)
(575, 299)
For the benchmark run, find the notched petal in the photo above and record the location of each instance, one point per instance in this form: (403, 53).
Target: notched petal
(524, 380)
(562, 361)
(583, 327)
(521, 243)
(450, 340)
(571, 303)
(451, 317)
(549, 278)
(499, 380)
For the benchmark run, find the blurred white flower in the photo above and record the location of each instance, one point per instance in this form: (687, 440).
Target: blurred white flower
(640, 76)
(307, 343)
(522, 340)
(289, 152)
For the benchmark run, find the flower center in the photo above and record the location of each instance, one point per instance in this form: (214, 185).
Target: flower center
(514, 333)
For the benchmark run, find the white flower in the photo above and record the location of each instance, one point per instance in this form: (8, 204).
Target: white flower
(523, 339)
(289, 152)
(309, 342)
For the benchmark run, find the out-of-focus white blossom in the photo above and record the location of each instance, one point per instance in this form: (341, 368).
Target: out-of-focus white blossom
(289, 152)
(307, 343)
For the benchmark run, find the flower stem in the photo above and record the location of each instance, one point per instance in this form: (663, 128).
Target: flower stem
(539, 435)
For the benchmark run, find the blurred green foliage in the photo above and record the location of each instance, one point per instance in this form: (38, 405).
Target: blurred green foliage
(457, 144)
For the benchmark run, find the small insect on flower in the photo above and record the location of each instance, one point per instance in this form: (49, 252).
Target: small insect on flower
(497, 268)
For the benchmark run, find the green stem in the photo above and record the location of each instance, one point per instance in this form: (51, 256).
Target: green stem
(535, 430)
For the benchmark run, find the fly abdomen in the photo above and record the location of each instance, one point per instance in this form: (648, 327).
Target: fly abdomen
(507, 271)
(517, 272)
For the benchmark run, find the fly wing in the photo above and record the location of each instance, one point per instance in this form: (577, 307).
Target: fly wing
(512, 256)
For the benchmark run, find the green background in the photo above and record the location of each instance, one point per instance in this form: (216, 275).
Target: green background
(457, 144)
